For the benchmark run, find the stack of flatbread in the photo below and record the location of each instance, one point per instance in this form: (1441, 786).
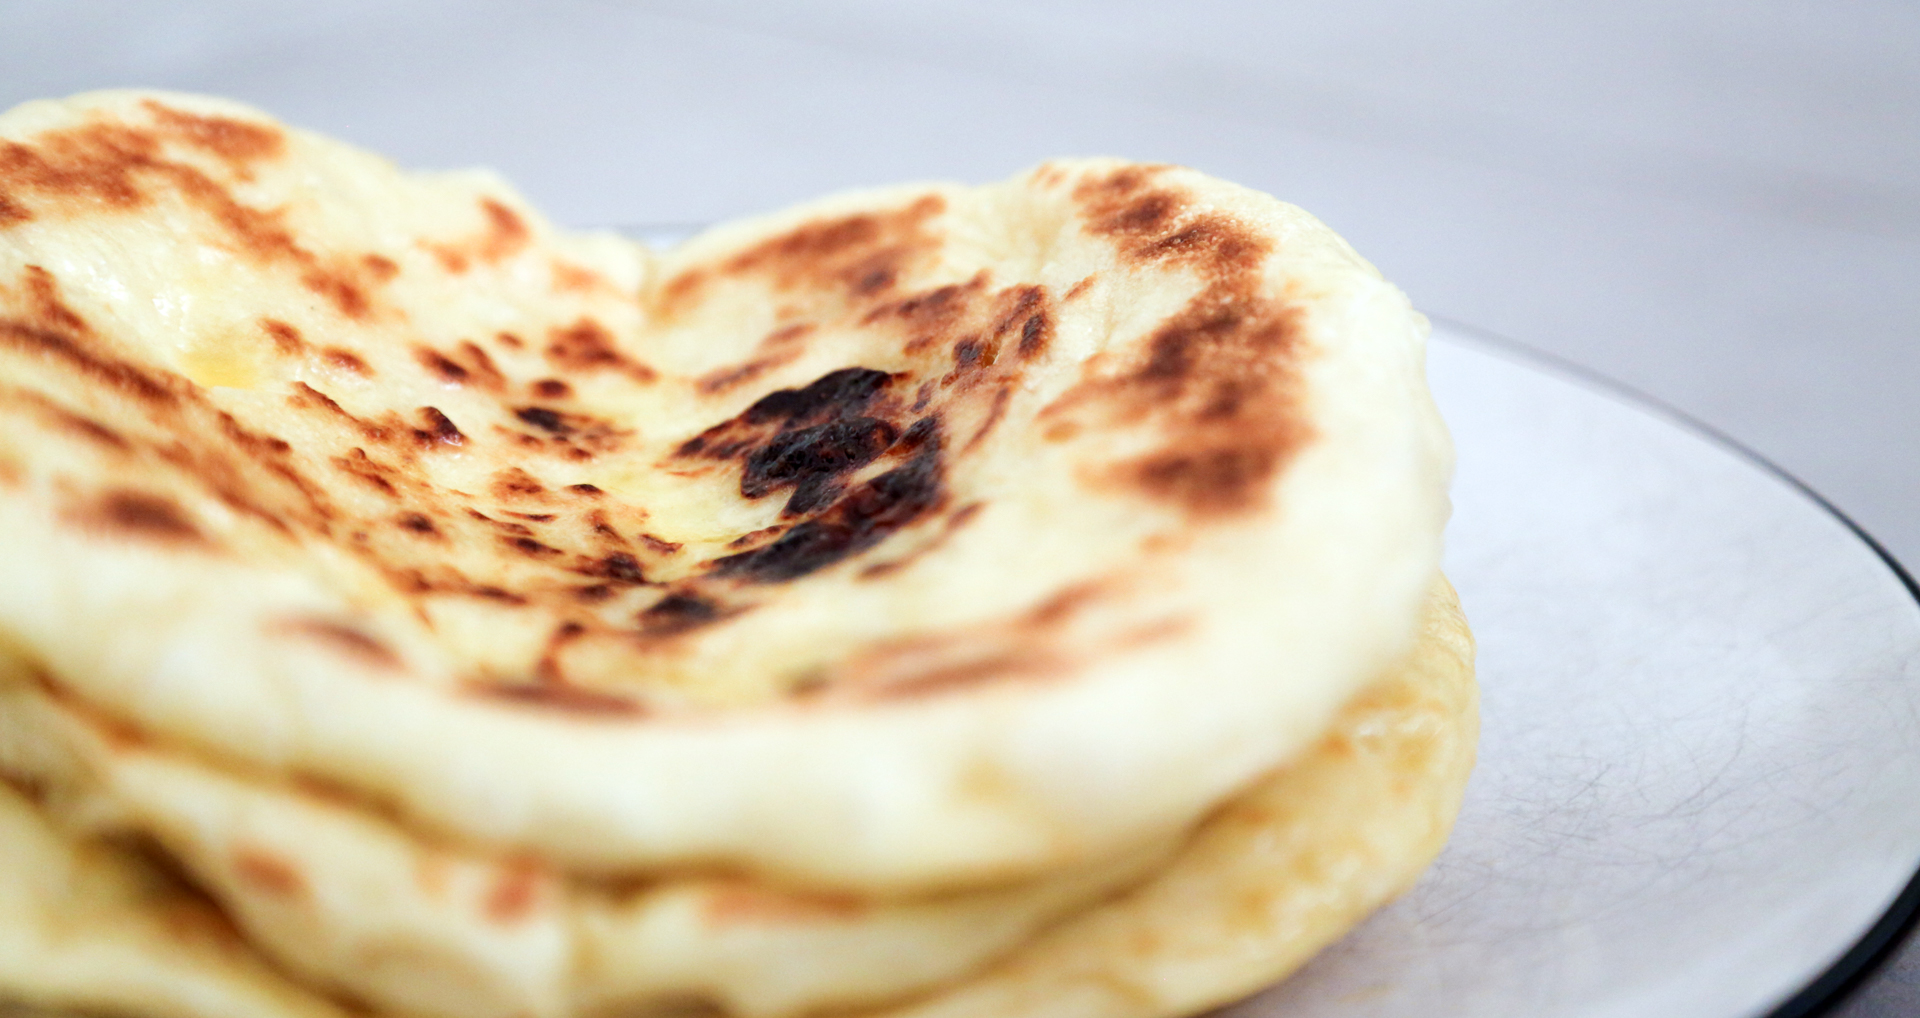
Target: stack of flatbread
(986, 602)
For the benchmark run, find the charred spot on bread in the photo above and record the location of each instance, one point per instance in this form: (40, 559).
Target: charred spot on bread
(559, 698)
(144, 516)
(856, 521)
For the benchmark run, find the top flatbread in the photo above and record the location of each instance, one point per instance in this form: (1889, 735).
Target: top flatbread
(915, 538)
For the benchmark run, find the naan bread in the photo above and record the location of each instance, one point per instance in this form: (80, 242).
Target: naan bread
(348, 899)
(1277, 873)
(1267, 880)
(908, 541)
(89, 927)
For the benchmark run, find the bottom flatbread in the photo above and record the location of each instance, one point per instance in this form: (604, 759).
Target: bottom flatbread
(1275, 875)
(1269, 879)
(88, 927)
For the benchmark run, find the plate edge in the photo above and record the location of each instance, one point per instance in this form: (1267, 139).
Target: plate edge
(1871, 951)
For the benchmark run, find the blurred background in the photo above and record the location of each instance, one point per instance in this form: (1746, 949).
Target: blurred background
(1716, 203)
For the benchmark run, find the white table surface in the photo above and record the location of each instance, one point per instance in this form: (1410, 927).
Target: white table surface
(1718, 204)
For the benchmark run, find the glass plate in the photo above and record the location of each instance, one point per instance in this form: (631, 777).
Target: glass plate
(1696, 785)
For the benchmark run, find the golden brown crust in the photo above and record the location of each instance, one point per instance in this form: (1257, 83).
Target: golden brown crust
(1216, 384)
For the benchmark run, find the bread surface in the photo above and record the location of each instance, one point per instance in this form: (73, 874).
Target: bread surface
(1268, 879)
(910, 541)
